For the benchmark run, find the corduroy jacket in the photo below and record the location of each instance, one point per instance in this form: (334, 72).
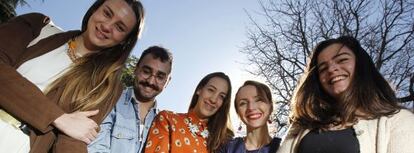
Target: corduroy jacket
(22, 99)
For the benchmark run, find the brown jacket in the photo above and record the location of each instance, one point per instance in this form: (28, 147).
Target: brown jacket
(22, 99)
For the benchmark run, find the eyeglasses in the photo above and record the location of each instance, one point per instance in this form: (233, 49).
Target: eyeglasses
(147, 73)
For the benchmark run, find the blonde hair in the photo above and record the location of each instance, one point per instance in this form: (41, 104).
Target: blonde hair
(86, 89)
(93, 80)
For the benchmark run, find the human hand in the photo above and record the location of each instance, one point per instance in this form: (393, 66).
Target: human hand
(78, 125)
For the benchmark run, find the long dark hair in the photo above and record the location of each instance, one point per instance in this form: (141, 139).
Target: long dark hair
(92, 82)
(218, 124)
(369, 93)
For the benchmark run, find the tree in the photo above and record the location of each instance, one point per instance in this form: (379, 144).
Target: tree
(7, 9)
(127, 76)
(278, 49)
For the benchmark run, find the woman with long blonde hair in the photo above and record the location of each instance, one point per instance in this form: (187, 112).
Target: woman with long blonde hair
(58, 86)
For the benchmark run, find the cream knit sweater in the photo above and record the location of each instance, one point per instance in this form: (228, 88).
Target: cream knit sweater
(388, 134)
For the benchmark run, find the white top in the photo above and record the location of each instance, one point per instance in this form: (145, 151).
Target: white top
(46, 68)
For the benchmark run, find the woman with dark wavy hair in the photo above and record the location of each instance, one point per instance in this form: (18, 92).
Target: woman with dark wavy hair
(344, 105)
(204, 128)
(58, 86)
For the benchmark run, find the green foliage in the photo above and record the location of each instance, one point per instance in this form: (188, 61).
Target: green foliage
(127, 76)
(7, 10)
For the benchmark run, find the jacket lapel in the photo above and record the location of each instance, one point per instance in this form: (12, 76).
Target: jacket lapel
(46, 45)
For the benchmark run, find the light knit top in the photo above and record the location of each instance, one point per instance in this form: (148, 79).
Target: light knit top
(387, 134)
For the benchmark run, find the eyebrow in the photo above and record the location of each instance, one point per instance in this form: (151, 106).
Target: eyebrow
(334, 57)
(247, 98)
(112, 13)
(109, 8)
(148, 67)
(211, 86)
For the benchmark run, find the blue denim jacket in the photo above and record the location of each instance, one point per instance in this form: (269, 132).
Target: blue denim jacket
(120, 129)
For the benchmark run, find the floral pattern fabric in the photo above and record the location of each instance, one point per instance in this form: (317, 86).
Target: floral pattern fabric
(177, 133)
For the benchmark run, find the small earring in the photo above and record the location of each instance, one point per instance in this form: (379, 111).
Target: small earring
(269, 121)
(240, 127)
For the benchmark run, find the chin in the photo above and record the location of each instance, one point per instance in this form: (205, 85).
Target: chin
(208, 114)
(254, 126)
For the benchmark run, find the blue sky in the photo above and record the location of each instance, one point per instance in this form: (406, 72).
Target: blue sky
(204, 36)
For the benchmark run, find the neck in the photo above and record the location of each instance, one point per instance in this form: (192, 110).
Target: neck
(82, 47)
(200, 117)
(144, 108)
(257, 138)
(146, 105)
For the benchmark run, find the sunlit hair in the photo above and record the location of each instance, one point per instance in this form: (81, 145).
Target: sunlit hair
(263, 91)
(157, 52)
(369, 93)
(93, 81)
(219, 124)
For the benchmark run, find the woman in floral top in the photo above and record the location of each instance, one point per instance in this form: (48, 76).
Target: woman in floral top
(203, 129)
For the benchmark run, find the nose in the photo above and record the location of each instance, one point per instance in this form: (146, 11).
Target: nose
(332, 67)
(251, 105)
(214, 98)
(151, 79)
(106, 27)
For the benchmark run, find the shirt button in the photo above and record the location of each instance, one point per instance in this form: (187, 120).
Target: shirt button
(119, 135)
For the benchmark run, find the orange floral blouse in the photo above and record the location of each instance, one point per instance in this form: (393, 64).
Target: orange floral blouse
(177, 133)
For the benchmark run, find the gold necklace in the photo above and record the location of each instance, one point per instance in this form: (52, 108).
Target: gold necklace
(71, 51)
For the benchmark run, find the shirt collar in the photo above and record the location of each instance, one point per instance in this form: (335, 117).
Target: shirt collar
(134, 101)
(195, 119)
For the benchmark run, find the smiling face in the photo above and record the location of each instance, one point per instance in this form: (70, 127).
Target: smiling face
(109, 25)
(252, 109)
(336, 67)
(151, 77)
(211, 97)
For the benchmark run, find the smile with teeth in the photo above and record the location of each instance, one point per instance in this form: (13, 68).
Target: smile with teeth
(337, 78)
(254, 116)
(100, 34)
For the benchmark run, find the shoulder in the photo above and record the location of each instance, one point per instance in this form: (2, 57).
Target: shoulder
(294, 130)
(35, 16)
(125, 95)
(234, 145)
(49, 29)
(127, 92)
(276, 141)
(403, 120)
(402, 117)
(167, 115)
(274, 144)
(34, 20)
(235, 141)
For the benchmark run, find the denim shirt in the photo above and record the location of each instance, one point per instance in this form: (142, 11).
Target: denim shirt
(120, 129)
